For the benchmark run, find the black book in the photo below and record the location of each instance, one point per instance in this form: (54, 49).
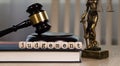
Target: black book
(52, 37)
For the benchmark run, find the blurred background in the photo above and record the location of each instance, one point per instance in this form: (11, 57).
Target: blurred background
(64, 16)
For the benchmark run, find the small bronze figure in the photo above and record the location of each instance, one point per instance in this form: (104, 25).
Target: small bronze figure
(89, 21)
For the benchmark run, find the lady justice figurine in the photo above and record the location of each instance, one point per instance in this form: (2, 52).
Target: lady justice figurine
(91, 17)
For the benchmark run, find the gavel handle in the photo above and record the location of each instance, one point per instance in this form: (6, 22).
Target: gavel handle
(14, 28)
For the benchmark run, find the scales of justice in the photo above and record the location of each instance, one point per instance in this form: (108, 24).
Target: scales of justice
(89, 20)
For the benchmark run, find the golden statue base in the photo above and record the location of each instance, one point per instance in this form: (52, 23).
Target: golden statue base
(95, 54)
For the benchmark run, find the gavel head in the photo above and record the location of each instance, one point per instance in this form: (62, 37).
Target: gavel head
(39, 18)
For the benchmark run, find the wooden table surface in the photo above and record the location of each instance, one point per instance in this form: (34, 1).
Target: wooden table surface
(113, 60)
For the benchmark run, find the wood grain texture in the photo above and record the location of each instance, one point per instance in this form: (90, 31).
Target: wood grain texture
(77, 18)
(109, 20)
(109, 6)
(67, 16)
(54, 15)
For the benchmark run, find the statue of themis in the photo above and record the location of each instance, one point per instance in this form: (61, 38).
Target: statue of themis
(89, 20)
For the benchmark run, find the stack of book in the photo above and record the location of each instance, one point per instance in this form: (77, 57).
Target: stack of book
(47, 47)
(40, 51)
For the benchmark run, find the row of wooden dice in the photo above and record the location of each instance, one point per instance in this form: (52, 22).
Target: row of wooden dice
(50, 45)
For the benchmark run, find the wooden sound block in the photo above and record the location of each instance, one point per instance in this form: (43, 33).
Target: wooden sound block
(102, 54)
